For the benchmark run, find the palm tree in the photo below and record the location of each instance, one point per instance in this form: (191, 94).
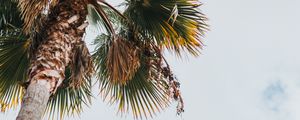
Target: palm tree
(45, 62)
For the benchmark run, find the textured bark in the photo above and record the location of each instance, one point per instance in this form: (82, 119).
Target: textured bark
(35, 101)
(62, 31)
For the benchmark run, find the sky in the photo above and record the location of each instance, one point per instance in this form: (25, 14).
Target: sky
(248, 70)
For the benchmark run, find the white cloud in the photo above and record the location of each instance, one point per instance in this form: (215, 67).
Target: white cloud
(274, 96)
(280, 99)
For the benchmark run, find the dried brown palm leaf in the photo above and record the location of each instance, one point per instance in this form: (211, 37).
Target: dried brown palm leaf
(122, 61)
(81, 65)
(31, 11)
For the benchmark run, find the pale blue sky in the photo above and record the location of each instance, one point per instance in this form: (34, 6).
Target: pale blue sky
(249, 69)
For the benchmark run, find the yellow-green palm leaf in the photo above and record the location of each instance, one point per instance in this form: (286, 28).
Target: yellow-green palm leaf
(176, 24)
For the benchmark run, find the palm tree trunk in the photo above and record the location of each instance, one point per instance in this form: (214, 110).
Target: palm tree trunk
(35, 101)
(64, 28)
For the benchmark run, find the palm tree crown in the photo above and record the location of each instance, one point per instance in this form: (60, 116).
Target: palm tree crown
(128, 60)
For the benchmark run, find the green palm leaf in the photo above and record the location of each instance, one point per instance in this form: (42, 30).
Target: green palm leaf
(104, 17)
(9, 15)
(13, 67)
(175, 24)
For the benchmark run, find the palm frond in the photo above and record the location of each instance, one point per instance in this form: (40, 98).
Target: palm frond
(122, 61)
(81, 65)
(13, 68)
(102, 14)
(9, 15)
(144, 94)
(176, 24)
(98, 18)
